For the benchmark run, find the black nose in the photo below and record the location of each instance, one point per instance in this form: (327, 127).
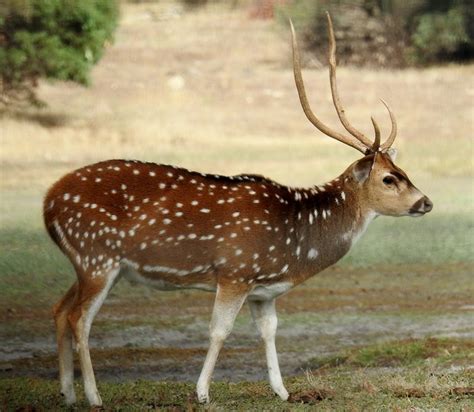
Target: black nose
(421, 206)
(427, 204)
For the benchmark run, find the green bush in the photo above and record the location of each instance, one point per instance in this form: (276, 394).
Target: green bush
(302, 13)
(441, 36)
(386, 32)
(194, 3)
(52, 39)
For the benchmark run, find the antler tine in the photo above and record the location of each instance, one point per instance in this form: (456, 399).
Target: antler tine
(335, 96)
(376, 145)
(393, 133)
(356, 144)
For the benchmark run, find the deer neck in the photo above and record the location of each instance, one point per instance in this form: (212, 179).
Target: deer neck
(328, 221)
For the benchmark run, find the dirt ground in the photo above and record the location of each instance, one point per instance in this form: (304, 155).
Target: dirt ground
(143, 334)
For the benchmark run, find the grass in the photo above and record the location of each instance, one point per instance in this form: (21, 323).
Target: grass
(387, 328)
(411, 352)
(358, 382)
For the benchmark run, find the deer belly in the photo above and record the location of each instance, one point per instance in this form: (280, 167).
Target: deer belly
(164, 278)
(269, 292)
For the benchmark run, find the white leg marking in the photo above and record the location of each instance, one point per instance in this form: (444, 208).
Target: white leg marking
(264, 315)
(223, 316)
(66, 362)
(67, 380)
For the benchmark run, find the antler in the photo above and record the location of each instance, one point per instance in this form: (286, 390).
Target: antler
(393, 133)
(356, 144)
(335, 96)
(376, 144)
(359, 141)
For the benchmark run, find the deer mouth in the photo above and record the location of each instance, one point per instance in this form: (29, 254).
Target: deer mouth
(416, 213)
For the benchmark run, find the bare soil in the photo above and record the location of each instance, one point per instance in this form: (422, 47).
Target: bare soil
(154, 337)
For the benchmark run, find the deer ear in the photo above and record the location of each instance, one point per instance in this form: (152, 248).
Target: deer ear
(392, 153)
(363, 168)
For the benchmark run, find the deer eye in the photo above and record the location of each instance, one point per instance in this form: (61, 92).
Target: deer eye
(389, 180)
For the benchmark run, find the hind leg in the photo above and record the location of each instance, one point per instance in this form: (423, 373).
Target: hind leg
(92, 293)
(64, 342)
(264, 315)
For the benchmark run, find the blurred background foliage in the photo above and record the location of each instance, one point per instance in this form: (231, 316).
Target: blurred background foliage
(52, 39)
(63, 39)
(387, 33)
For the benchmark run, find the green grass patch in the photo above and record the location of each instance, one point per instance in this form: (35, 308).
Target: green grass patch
(339, 389)
(410, 352)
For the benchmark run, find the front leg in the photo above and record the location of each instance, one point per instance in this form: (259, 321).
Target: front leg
(226, 307)
(264, 315)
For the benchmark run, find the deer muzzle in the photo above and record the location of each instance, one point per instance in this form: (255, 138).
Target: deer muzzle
(421, 206)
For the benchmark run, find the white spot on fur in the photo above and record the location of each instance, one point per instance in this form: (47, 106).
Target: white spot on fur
(312, 254)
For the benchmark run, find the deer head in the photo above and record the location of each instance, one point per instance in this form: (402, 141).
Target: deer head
(382, 187)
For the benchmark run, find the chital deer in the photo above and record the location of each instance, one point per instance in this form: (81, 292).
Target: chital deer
(245, 237)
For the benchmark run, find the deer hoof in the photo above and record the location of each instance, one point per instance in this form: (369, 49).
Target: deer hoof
(282, 393)
(203, 397)
(69, 397)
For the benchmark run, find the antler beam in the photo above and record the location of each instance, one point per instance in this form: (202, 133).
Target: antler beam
(393, 133)
(335, 96)
(356, 144)
(358, 140)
